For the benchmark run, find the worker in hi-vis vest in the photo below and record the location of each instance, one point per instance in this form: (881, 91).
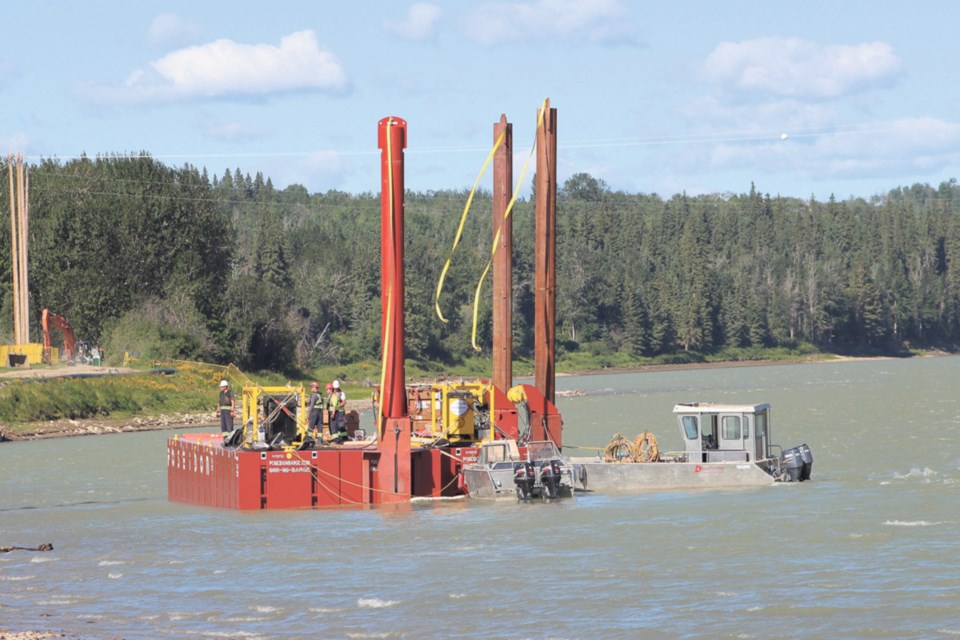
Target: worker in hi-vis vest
(315, 411)
(336, 405)
(226, 407)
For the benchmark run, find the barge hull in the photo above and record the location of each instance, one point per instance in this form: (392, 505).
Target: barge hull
(201, 471)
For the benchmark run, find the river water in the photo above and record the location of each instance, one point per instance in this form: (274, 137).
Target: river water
(869, 548)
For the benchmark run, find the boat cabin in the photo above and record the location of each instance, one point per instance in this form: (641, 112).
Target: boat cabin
(724, 432)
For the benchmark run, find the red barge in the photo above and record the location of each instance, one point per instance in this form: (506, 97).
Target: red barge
(423, 435)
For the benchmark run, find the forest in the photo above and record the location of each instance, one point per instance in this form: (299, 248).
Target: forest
(170, 262)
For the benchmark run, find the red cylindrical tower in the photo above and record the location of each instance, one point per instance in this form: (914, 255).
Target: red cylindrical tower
(392, 140)
(392, 476)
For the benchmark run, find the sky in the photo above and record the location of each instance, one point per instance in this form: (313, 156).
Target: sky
(804, 99)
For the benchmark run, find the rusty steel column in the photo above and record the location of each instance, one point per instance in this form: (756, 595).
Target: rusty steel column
(503, 257)
(393, 477)
(545, 260)
(392, 395)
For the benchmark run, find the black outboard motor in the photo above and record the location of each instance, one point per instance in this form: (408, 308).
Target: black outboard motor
(797, 463)
(550, 478)
(807, 456)
(524, 476)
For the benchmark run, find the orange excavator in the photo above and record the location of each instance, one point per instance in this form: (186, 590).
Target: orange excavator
(49, 318)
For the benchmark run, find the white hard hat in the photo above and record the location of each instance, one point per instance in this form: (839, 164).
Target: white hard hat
(336, 384)
(224, 383)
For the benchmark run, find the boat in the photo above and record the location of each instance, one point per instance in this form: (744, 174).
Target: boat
(534, 470)
(725, 445)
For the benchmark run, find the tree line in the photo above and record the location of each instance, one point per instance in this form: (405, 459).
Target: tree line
(172, 262)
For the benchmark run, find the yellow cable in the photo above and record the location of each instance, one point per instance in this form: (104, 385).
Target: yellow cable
(463, 221)
(506, 214)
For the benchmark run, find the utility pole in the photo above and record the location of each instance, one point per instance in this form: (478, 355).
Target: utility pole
(19, 252)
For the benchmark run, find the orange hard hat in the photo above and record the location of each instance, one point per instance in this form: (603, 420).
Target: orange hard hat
(314, 385)
(329, 386)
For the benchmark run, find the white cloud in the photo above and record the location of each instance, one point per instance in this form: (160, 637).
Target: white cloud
(418, 24)
(907, 146)
(710, 116)
(225, 68)
(799, 68)
(169, 29)
(591, 20)
(769, 86)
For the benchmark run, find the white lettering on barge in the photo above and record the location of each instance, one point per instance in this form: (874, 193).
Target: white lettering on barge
(288, 466)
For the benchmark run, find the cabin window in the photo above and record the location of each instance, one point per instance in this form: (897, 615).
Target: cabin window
(746, 428)
(730, 426)
(690, 427)
(496, 453)
(761, 420)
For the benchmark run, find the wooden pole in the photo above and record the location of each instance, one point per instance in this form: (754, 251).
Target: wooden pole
(25, 253)
(14, 260)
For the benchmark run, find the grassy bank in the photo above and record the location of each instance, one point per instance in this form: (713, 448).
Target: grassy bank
(185, 391)
(183, 388)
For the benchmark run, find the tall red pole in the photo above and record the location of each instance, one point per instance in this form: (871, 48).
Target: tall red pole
(503, 256)
(392, 139)
(546, 243)
(393, 477)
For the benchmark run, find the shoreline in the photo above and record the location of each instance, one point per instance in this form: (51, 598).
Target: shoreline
(66, 428)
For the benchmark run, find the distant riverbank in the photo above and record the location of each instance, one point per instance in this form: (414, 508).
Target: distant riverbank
(98, 426)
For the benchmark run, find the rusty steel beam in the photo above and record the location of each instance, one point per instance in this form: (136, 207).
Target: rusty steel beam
(503, 256)
(392, 480)
(545, 259)
(392, 139)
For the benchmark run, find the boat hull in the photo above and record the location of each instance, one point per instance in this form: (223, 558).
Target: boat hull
(481, 481)
(644, 476)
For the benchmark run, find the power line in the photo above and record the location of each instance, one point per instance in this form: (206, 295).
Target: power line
(751, 135)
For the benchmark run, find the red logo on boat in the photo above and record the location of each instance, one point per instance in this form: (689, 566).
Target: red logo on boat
(697, 469)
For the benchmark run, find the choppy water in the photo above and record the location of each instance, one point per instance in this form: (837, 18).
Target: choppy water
(868, 549)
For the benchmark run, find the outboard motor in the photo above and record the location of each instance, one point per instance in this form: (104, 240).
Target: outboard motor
(807, 456)
(797, 463)
(550, 478)
(524, 476)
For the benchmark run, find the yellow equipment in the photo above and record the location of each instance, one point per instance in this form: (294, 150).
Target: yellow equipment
(274, 415)
(460, 411)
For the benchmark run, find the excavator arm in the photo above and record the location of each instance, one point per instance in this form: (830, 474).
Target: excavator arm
(48, 319)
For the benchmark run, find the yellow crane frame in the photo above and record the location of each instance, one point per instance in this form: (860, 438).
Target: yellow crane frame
(254, 409)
